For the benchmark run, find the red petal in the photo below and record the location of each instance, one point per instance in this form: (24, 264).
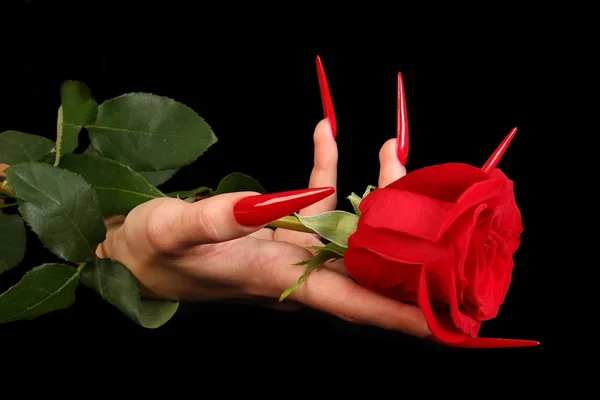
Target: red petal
(444, 182)
(395, 279)
(492, 193)
(399, 246)
(440, 324)
(405, 212)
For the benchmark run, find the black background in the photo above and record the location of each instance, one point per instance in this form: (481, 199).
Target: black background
(471, 74)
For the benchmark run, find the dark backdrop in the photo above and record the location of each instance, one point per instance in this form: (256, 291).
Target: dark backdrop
(470, 76)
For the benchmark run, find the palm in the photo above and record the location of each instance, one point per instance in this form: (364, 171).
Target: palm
(160, 243)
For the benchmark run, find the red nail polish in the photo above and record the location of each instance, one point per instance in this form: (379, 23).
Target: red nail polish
(401, 123)
(489, 343)
(326, 97)
(262, 209)
(497, 155)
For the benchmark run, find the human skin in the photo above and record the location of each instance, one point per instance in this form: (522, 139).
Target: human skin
(198, 252)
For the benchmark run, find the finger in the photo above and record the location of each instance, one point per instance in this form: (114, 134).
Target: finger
(390, 168)
(328, 291)
(174, 224)
(267, 303)
(324, 172)
(336, 266)
(263, 234)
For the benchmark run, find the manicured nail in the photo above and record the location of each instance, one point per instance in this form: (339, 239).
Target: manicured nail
(497, 155)
(326, 97)
(262, 209)
(401, 123)
(489, 343)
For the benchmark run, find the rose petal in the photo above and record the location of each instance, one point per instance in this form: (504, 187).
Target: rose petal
(461, 239)
(445, 182)
(408, 249)
(441, 278)
(395, 279)
(492, 193)
(439, 324)
(405, 212)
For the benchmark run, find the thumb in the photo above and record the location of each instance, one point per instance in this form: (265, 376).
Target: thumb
(233, 215)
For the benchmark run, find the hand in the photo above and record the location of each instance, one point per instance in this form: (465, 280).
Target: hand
(201, 252)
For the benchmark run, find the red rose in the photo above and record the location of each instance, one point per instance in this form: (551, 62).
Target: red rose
(442, 237)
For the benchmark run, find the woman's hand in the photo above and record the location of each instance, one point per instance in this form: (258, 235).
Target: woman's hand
(204, 251)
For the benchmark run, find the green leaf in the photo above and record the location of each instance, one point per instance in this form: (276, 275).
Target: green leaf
(157, 178)
(13, 241)
(17, 147)
(317, 262)
(117, 285)
(118, 187)
(238, 182)
(335, 226)
(46, 288)
(78, 108)
(49, 158)
(355, 200)
(91, 151)
(60, 207)
(149, 132)
(184, 194)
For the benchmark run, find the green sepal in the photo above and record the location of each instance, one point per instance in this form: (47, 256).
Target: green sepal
(355, 201)
(332, 247)
(369, 189)
(329, 253)
(335, 226)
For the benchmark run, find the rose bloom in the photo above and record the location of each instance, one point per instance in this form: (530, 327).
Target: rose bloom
(442, 237)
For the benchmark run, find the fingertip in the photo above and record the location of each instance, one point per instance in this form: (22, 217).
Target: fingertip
(326, 152)
(390, 167)
(388, 150)
(323, 131)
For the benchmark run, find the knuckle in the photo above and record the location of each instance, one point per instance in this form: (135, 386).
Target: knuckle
(158, 228)
(206, 222)
(348, 307)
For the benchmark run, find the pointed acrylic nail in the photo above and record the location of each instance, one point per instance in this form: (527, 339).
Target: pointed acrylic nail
(488, 343)
(497, 155)
(492, 343)
(326, 97)
(401, 123)
(262, 209)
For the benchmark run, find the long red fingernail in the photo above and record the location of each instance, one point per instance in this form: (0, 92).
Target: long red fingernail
(489, 343)
(326, 97)
(401, 123)
(494, 159)
(262, 209)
